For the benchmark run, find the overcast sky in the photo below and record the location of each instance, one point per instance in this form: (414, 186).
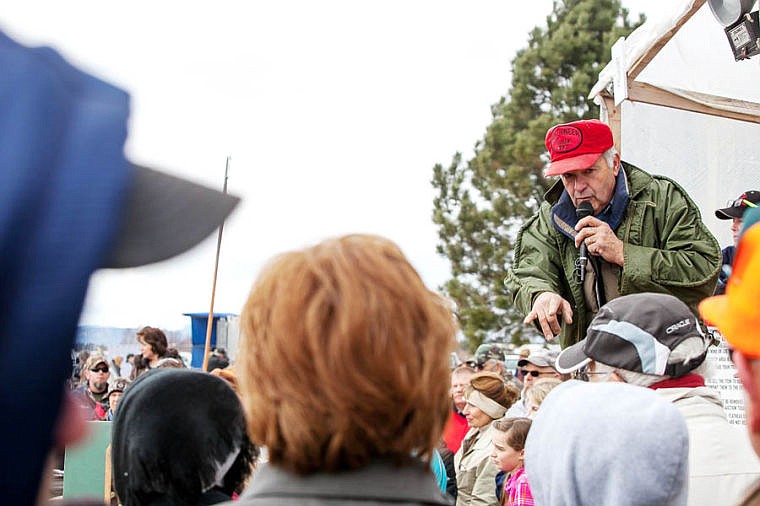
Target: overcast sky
(334, 113)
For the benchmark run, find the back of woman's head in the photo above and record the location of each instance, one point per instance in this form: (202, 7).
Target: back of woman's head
(346, 350)
(494, 387)
(178, 434)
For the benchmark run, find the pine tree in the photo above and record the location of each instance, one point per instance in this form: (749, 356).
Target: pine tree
(481, 203)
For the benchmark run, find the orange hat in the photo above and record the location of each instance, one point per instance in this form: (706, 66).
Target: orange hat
(737, 313)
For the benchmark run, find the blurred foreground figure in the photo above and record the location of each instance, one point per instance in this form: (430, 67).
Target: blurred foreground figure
(595, 444)
(70, 203)
(737, 316)
(180, 439)
(344, 352)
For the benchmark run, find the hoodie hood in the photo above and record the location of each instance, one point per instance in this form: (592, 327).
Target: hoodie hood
(636, 454)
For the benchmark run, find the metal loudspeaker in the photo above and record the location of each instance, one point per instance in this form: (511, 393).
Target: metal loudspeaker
(728, 12)
(742, 27)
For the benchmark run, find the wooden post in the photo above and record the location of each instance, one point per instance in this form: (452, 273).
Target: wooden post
(108, 477)
(213, 284)
(611, 115)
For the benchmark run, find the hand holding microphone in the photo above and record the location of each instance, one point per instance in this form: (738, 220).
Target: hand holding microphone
(584, 209)
(595, 237)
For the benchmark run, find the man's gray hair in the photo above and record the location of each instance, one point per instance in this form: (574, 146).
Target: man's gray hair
(609, 157)
(690, 348)
(634, 378)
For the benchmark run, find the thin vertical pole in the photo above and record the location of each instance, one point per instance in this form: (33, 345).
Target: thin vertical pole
(210, 322)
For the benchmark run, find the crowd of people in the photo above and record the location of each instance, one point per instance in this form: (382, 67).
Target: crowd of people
(98, 382)
(620, 417)
(342, 391)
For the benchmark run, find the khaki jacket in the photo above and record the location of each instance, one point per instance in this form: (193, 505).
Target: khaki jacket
(722, 464)
(476, 473)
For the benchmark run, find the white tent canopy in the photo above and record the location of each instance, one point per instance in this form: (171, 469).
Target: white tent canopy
(680, 106)
(675, 65)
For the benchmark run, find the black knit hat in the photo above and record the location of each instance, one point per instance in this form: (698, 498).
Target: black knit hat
(178, 434)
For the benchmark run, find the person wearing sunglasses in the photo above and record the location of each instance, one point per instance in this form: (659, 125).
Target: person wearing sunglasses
(654, 341)
(92, 394)
(535, 373)
(734, 211)
(537, 365)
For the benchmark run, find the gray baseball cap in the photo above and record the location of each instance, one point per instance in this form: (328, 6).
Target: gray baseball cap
(638, 333)
(539, 359)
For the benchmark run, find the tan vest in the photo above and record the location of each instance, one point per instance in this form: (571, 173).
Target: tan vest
(595, 293)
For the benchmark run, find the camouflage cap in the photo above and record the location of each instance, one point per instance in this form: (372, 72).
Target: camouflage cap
(119, 385)
(95, 360)
(488, 351)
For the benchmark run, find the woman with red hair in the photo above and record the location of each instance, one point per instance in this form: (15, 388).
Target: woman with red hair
(343, 371)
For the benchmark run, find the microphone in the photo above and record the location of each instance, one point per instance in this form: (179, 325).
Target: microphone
(584, 209)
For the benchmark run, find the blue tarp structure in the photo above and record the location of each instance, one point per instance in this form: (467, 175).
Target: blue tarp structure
(199, 323)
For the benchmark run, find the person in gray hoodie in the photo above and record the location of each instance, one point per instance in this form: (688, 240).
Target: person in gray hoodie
(607, 443)
(654, 341)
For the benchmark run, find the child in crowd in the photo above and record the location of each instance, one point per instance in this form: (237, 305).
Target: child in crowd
(114, 395)
(509, 455)
(537, 392)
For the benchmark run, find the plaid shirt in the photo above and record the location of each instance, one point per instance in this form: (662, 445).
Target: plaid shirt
(517, 490)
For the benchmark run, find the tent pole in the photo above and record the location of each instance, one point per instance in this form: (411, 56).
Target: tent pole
(210, 322)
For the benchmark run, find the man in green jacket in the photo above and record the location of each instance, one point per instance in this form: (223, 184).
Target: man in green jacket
(645, 234)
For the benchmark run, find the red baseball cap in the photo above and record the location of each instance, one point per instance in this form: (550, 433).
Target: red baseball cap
(576, 145)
